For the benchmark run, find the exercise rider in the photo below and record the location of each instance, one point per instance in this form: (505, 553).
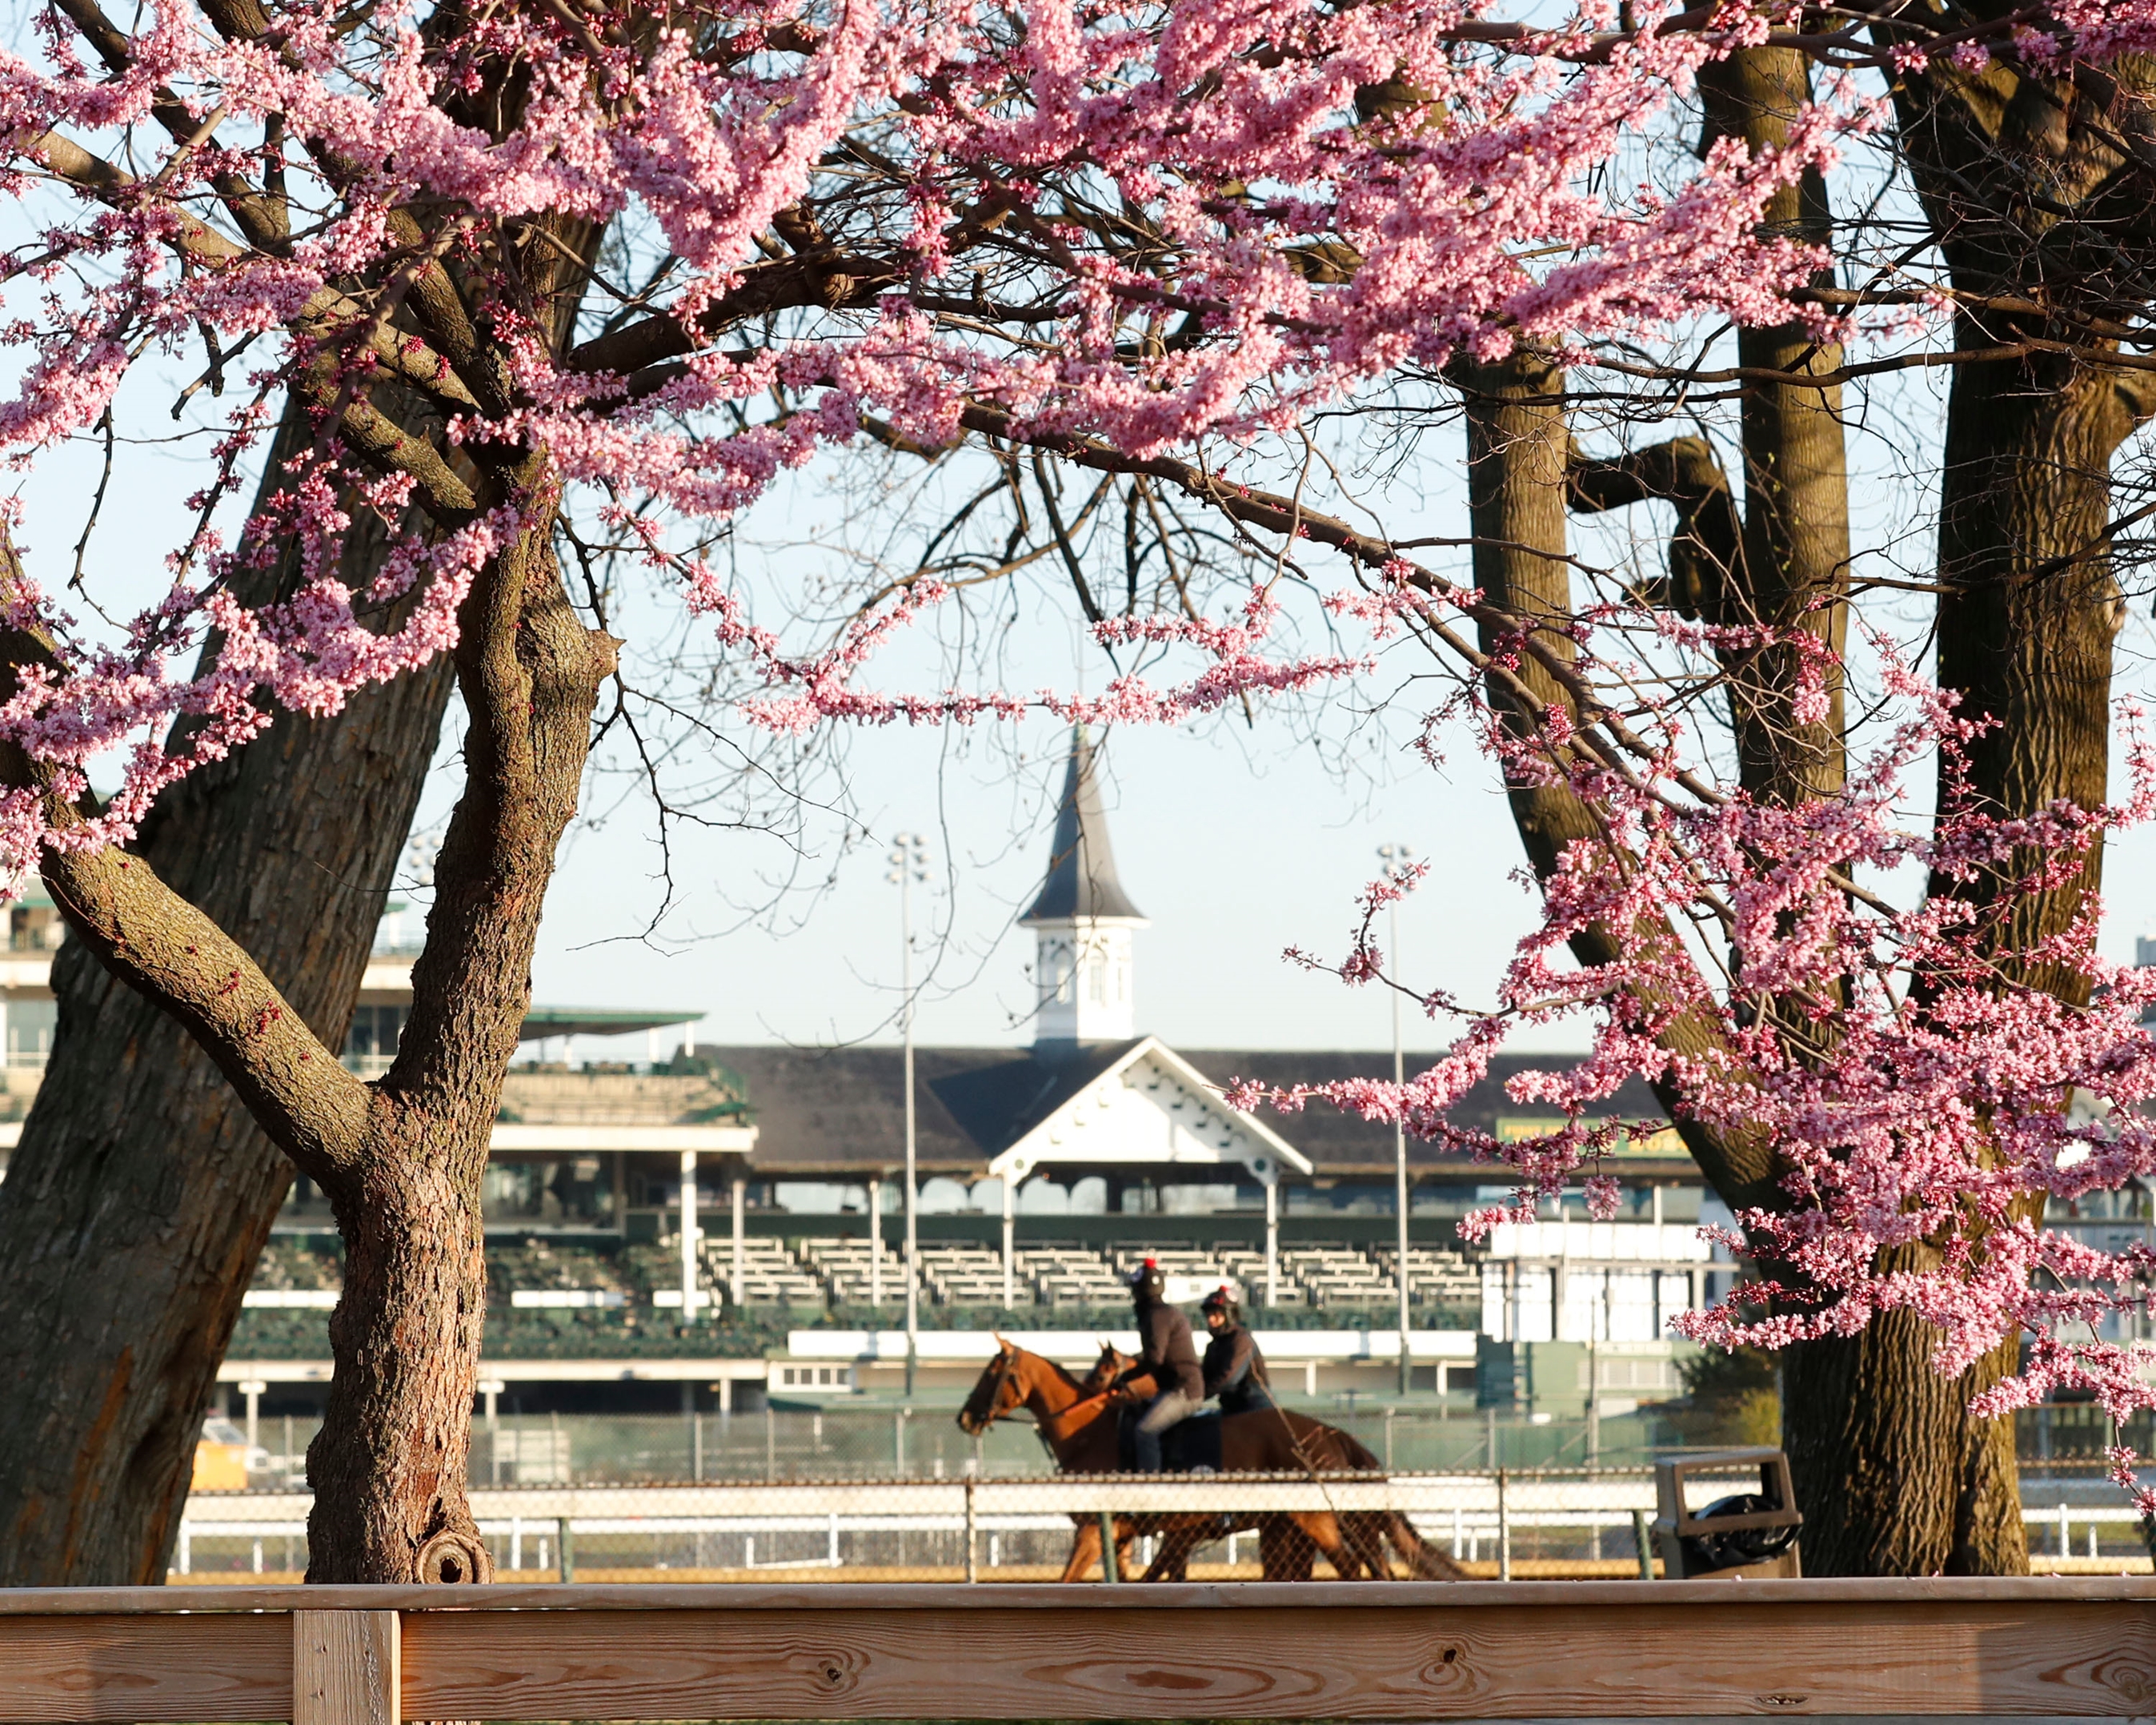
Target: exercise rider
(1167, 1356)
(1235, 1370)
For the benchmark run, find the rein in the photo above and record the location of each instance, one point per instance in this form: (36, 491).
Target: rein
(1057, 1426)
(1053, 1428)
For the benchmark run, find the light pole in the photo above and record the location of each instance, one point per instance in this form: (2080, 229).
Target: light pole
(1397, 864)
(909, 862)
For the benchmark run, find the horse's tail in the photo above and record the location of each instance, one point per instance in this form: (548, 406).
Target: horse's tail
(1424, 1561)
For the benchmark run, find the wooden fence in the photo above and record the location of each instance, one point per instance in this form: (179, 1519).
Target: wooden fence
(1403, 1650)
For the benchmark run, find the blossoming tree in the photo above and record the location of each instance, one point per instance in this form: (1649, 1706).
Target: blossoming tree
(577, 269)
(573, 274)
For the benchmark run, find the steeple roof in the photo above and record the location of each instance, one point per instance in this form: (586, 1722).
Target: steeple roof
(1081, 882)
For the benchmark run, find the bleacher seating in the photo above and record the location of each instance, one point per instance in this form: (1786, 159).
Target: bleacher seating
(1071, 1276)
(970, 1275)
(1436, 1278)
(820, 1273)
(771, 1275)
(843, 1264)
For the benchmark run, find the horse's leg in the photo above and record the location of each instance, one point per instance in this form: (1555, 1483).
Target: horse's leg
(1127, 1540)
(1284, 1551)
(1179, 1536)
(1322, 1528)
(1364, 1535)
(1084, 1549)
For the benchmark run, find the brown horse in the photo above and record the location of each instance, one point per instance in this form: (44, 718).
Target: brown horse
(1284, 1548)
(1081, 1428)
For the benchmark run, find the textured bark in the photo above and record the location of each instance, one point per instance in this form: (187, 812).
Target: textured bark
(388, 1465)
(139, 1198)
(2026, 618)
(2029, 611)
(1795, 571)
(1893, 1476)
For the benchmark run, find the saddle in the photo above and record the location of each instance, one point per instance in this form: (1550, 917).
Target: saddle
(1191, 1445)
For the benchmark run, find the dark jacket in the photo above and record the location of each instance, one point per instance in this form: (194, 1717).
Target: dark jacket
(1234, 1367)
(1166, 1352)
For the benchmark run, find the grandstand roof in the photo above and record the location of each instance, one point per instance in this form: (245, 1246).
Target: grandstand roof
(823, 1112)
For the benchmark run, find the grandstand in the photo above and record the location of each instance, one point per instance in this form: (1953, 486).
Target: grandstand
(709, 1217)
(812, 1277)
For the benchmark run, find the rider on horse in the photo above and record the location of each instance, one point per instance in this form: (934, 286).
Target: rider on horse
(1167, 1355)
(1233, 1370)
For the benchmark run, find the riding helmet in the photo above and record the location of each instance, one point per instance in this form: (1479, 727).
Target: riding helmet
(1222, 1299)
(1148, 1287)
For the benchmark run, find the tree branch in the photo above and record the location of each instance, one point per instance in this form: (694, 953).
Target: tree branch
(160, 945)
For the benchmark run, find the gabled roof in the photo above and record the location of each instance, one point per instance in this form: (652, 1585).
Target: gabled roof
(1093, 1124)
(840, 1112)
(1081, 884)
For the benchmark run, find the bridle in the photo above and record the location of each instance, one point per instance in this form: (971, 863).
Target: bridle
(1006, 1363)
(1050, 1427)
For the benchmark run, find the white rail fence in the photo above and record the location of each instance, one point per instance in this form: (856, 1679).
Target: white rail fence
(836, 1524)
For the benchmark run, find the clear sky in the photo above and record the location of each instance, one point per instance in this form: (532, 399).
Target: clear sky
(1236, 846)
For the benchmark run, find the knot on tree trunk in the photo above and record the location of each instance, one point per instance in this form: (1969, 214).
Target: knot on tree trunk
(455, 1557)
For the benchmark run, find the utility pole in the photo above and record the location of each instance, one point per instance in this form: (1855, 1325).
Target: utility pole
(1398, 865)
(909, 862)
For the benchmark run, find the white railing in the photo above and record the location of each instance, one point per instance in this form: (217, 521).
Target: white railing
(1462, 1512)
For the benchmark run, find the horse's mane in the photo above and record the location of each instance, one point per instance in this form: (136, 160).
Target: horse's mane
(1070, 1381)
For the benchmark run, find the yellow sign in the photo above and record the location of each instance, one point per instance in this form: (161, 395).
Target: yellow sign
(1663, 1142)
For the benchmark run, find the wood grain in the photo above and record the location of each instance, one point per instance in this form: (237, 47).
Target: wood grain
(94, 1669)
(1887, 1595)
(345, 1668)
(1750, 1656)
(2082, 1648)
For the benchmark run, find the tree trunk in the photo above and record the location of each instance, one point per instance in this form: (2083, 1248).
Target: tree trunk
(1895, 1477)
(389, 1464)
(143, 1191)
(1794, 573)
(2029, 610)
(1893, 1474)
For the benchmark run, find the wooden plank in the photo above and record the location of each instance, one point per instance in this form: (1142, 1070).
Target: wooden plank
(345, 1668)
(1740, 1654)
(94, 1668)
(891, 1596)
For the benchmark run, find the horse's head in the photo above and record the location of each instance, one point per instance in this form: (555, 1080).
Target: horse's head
(996, 1394)
(1111, 1365)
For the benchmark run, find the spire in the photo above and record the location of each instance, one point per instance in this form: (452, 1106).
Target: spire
(1081, 885)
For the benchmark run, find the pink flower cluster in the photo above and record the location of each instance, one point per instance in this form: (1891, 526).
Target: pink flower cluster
(1482, 213)
(1913, 1089)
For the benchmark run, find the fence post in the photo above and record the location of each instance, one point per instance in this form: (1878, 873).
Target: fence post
(1504, 1531)
(568, 1549)
(1108, 1549)
(347, 1668)
(972, 1531)
(1646, 1550)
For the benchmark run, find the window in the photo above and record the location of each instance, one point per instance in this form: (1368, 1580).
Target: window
(30, 1027)
(371, 1041)
(1097, 981)
(1056, 980)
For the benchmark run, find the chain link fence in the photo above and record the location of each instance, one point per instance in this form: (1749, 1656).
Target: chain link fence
(889, 1495)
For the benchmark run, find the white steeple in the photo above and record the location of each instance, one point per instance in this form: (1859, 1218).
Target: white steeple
(1084, 922)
